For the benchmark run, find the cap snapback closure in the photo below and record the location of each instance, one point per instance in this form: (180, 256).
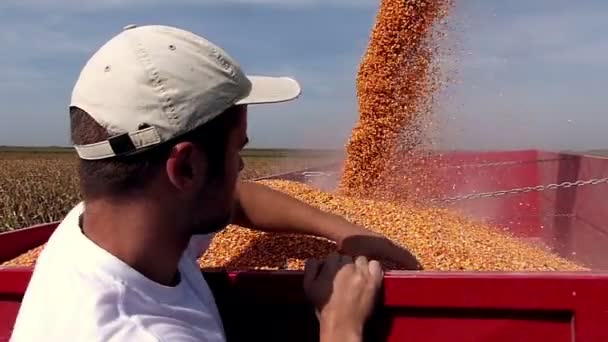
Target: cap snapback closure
(120, 145)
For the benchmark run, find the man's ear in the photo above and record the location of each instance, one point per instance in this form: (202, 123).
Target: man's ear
(185, 166)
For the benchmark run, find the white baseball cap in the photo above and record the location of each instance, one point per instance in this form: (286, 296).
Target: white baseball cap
(150, 84)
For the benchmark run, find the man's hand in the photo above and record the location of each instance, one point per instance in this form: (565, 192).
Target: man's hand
(375, 246)
(344, 293)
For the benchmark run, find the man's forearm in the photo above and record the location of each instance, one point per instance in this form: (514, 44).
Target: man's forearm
(339, 336)
(262, 208)
(341, 331)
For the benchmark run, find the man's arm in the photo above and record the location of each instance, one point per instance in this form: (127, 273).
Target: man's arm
(262, 208)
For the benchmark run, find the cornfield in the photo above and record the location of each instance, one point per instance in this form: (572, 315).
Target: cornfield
(42, 187)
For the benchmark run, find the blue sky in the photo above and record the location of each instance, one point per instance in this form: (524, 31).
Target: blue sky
(528, 73)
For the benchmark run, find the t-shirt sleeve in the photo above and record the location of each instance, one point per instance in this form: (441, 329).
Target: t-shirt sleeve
(198, 245)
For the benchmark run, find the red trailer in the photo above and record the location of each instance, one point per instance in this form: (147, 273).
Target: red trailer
(555, 199)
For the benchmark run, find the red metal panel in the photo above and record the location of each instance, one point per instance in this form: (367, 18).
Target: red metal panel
(14, 243)
(588, 245)
(591, 205)
(556, 206)
(482, 327)
(520, 212)
(9, 307)
(14, 280)
(438, 306)
(13, 283)
(574, 219)
(458, 307)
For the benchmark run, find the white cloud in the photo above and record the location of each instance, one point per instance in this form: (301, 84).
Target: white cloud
(42, 36)
(538, 34)
(29, 39)
(526, 80)
(589, 54)
(31, 49)
(18, 78)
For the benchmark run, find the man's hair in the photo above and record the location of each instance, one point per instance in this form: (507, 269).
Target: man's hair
(127, 175)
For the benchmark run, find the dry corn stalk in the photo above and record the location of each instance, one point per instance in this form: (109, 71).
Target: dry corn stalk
(38, 188)
(395, 86)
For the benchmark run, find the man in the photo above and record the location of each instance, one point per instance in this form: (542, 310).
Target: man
(158, 119)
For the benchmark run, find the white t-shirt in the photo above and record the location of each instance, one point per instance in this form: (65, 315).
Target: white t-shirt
(80, 292)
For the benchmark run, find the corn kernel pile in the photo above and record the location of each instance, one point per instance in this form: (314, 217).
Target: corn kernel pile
(26, 259)
(441, 240)
(395, 85)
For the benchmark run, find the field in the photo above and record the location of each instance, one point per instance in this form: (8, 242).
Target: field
(40, 185)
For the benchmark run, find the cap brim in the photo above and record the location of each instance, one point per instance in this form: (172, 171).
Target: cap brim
(265, 89)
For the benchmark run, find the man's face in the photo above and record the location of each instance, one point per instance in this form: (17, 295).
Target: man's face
(214, 207)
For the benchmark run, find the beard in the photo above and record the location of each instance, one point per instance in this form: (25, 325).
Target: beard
(211, 225)
(214, 208)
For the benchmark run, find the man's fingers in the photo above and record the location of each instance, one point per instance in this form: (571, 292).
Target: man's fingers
(362, 263)
(375, 271)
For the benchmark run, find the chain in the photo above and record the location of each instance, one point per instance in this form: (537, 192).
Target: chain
(502, 163)
(461, 166)
(518, 217)
(317, 174)
(515, 191)
(499, 193)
